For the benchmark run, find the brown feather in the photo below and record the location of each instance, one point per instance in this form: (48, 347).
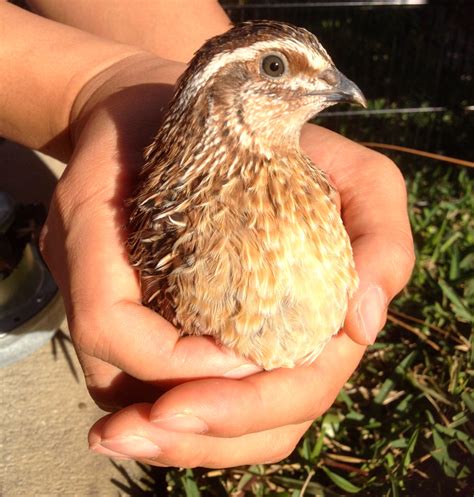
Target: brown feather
(233, 228)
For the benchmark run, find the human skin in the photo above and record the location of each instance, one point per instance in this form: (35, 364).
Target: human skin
(168, 29)
(129, 354)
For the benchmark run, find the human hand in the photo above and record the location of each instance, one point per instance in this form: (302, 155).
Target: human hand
(214, 422)
(128, 353)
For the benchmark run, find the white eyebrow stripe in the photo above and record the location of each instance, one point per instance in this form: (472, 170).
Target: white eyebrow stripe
(246, 53)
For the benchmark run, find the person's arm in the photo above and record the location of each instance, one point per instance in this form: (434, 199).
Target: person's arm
(44, 66)
(171, 29)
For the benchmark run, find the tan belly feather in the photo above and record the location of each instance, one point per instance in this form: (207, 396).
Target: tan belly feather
(272, 286)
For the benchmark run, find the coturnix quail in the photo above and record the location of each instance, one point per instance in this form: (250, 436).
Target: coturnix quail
(234, 230)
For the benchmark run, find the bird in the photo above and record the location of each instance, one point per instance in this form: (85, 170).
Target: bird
(233, 230)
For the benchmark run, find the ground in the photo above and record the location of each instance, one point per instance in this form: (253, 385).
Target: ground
(45, 410)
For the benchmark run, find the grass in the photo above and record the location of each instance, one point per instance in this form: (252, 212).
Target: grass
(403, 423)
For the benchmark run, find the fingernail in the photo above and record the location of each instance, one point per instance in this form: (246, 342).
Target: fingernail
(181, 422)
(132, 446)
(242, 371)
(371, 309)
(98, 449)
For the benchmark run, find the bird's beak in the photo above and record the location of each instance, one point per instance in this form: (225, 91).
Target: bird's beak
(345, 91)
(341, 89)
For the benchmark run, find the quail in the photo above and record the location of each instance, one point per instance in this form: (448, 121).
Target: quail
(233, 229)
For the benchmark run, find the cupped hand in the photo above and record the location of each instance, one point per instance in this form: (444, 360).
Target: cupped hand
(128, 352)
(130, 355)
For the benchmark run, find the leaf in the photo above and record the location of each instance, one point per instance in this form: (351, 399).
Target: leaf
(395, 488)
(331, 423)
(390, 383)
(343, 397)
(411, 447)
(468, 399)
(437, 240)
(390, 460)
(313, 488)
(457, 435)
(318, 445)
(246, 477)
(189, 484)
(341, 482)
(450, 241)
(459, 419)
(450, 467)
(401, 443)
(459, 308)
(355, 416)
(403, 405)
(386, 388)
(305, 451)
(454, 264)
(430, 418)
(406, 363)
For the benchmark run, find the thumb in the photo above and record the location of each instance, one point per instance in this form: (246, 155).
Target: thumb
(384, 264)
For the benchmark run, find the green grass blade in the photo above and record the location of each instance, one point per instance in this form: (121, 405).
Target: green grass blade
(341, 482)
(189, 484)
(409, 451)
(318, 445)
(459, 308)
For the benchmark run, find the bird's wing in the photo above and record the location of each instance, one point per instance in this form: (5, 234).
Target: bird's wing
(156, 223)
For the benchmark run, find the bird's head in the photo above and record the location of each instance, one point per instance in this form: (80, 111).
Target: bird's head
(259, 83)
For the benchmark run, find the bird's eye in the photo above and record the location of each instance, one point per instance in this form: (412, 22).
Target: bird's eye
(273, 66)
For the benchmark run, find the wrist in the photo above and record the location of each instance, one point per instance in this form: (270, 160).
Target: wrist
(135, 88)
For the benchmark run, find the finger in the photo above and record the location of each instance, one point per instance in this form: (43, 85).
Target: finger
(231, 408)
(130, 434)
(377, 222)
(374, 211)
(111, 388)
(384, 265)
(144, 345)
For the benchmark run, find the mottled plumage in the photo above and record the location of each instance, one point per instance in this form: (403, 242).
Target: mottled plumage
(233, 229)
